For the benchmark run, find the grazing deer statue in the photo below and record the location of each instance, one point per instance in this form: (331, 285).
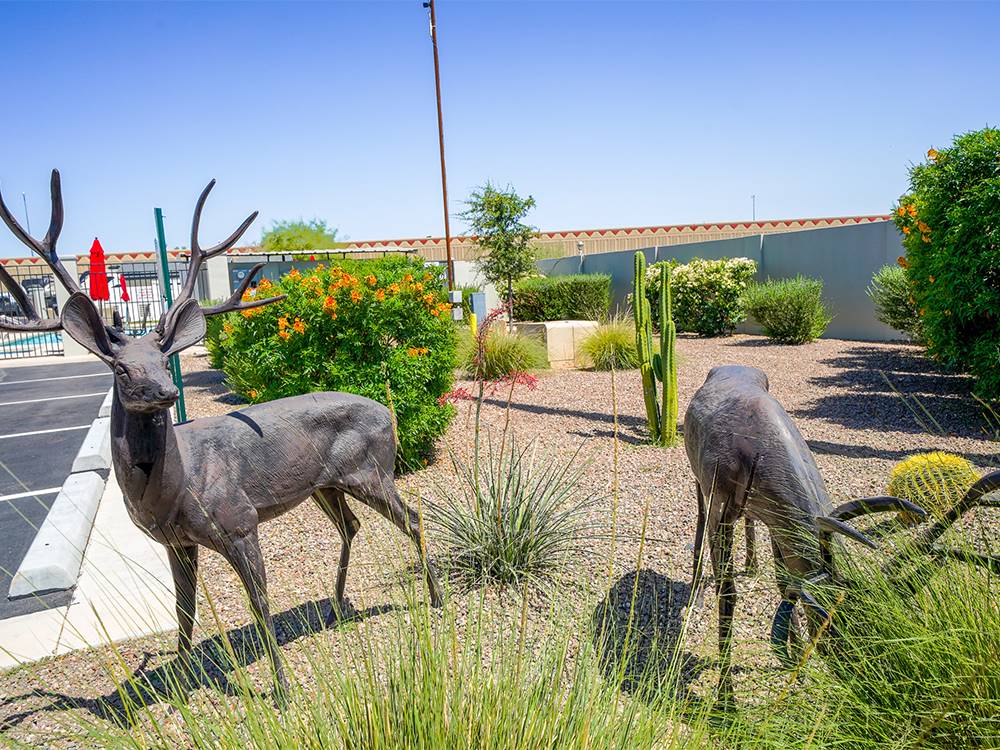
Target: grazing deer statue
(749, 458)
(212, 481)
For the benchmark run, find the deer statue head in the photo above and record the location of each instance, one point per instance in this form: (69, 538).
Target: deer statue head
(142, 376)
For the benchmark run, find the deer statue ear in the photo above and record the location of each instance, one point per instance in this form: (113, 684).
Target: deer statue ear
(82, 322)
(186, 328)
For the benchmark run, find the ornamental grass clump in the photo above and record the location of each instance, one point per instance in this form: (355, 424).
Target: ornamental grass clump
(611, 346)
(503, 352)
(378, 328)
(790, 311)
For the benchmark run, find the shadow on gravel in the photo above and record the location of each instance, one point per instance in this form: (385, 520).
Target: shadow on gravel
(212, 662)
(639, 646)
(630, 429)
(823, 447)
(213, 382)
(895, 390)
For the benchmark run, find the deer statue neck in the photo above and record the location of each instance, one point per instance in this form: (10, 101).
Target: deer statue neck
(140, 443)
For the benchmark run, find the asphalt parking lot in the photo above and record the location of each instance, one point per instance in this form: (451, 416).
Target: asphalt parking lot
(45, 412)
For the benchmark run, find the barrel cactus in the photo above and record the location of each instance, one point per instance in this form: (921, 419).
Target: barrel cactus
(934, 481)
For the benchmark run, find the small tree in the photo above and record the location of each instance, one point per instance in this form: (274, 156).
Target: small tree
(286, 236)
(495, 217)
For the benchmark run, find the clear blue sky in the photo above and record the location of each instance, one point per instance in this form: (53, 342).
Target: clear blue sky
(610, 114)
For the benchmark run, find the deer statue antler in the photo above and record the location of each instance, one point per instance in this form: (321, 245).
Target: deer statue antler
(199, 256)
(46, 250)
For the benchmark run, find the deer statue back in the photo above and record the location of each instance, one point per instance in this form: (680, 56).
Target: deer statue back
(749, 458)
(211, 482)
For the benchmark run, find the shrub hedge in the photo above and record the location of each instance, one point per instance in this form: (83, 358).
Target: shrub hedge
(707, 294)
(378, 328)
(790, 311)
(950, 220)
(574, 297)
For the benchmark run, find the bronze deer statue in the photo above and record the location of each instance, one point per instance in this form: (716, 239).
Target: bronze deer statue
(212, 481)
(749, 459)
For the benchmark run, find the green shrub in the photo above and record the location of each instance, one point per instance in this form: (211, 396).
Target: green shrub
(504, 353)
(950, 220)
(707, 294)
(516, 519)
(375, 328)
(214, 336)
(791, 311)
(575, 297)
(611, 344)
(895, 304)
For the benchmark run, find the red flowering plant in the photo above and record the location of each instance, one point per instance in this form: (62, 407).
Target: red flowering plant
(378, 328)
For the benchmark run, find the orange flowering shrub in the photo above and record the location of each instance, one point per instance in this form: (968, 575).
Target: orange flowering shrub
(950, 220)
(365, 327)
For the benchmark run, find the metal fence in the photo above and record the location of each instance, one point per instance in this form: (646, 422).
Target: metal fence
(40, 286)
(135, 302)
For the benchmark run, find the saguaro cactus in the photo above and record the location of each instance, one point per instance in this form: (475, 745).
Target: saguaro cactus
(661, 413)
(644, 346)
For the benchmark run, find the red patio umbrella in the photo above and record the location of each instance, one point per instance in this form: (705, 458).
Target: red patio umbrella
(98, 273)
(121, 282)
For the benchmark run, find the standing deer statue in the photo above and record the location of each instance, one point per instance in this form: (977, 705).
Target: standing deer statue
(749, 458)
(212, 481)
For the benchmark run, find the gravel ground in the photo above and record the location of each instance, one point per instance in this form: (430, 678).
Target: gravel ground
(861, 407)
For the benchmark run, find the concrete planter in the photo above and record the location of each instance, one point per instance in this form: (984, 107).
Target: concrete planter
(562, 339)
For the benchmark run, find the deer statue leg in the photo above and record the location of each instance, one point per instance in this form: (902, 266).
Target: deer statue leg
(751, 559)
(380, 493)
(184, 570)
(334, 505)
(243, 553)
(786, 634)
(721, 543)
(699, 544)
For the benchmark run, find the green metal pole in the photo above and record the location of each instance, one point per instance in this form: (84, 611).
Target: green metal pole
(175, 360)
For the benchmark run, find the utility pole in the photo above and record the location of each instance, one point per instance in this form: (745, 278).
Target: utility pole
(444, 176)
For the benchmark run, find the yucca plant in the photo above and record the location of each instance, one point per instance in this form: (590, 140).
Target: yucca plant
(516, 519)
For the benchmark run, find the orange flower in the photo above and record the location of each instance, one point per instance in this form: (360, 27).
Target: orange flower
(408, 278)
(924, 229)
(394, 288)
(925, 238)
(372, 281)
(294, 275)
(902, 262)
(329, 304)
(933, 155)
(227, 327)
(253, 393)
(901, 210)
(298, 326)
(428, 298)
(284, 335)
(282, 323)
(379, 295)
(912, 210)
(931, 278)
(355, 295)
(264, 285)
(906, 230)
(435, 312)
(418, 287)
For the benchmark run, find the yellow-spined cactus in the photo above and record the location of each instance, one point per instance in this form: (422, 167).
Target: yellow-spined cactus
(934, 481)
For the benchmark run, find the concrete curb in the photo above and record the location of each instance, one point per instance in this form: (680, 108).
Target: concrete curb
(55, 556)
(105, 410)
(95, 453)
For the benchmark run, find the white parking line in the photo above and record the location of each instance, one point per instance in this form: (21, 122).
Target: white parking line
(34, 493)
(52, 398)
(46, 380)
(42, 432)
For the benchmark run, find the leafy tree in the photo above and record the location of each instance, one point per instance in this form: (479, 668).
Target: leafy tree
(286, 236)
(496, 216)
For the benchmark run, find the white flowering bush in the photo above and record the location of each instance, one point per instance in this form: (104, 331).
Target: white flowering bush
(707, 294)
